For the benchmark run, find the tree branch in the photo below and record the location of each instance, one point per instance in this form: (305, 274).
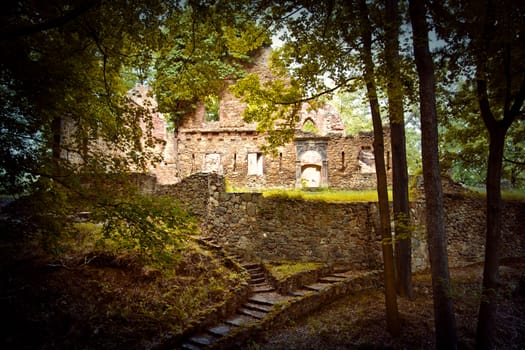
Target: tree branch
(513, 161)
(313, 97)
(50, 24)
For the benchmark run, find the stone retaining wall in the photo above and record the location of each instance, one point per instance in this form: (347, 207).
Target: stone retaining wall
(260, 228)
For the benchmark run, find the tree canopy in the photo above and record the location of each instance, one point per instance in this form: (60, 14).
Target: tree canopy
(71, 131)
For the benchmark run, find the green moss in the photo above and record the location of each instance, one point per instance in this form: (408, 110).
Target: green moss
(284, 269)
(326, 195)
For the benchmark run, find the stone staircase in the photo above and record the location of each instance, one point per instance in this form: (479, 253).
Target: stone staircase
(254, 309)
(266, 307)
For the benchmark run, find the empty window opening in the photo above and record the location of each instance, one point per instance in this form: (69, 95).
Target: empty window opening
(342, 160)
(255, 163)
(309, 126)
(235, 162)
(211, 108)
(367, 160)
(212, 162)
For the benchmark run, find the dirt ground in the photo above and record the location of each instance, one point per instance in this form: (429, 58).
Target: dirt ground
(358, 321)
(49, 304)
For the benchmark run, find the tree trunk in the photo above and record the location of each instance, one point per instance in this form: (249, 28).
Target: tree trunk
(445, 321)
(403, 247)
(392, 314)
(486, 330)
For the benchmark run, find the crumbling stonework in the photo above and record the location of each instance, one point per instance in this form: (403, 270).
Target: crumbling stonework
(270, 228)
(321, 155)
(233, 148)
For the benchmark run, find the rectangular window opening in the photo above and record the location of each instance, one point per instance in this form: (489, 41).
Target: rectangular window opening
(255, 163)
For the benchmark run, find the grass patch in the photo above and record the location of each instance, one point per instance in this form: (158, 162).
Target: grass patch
(326, 195)
(323, 195)
(507, 195)
(284, 269)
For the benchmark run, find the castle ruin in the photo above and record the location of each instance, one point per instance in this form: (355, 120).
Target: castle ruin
(321, 154)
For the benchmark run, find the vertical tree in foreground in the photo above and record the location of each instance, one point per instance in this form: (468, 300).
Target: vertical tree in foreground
(489, 50)
(392, 314)
(485, 49)
(403, 254)
(445, 320)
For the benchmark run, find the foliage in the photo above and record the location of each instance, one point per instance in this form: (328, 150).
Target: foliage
(283, 269)
(72, 130)
(211, 107)
(272, 104)
(463, 136)
(152, 227)
(204, 45)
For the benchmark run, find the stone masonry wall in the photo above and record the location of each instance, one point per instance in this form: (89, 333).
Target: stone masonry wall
(269, 228)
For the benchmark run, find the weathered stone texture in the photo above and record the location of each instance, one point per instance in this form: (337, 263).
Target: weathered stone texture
(223, 146)
(270, 228)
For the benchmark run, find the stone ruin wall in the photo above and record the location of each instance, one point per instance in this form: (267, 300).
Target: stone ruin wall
(229, 140)
(344, 171)
(279, 171)
(270, 228)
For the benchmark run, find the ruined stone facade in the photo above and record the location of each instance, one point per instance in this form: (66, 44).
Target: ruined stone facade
(320, 156)
(323, 156)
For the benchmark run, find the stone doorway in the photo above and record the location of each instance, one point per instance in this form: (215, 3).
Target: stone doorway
(312, 163)
(311, 176)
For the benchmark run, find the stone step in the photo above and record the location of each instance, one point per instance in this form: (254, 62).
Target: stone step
(260, 284)
(263, 288)
(255, 272)
(257, 280)
(343, 274)
(202, 339)
(268, 298)
(256, 314)
(250, 265)
(188, 346)
(257, 307)
(300, 292)
(220, 330)
(257, 275)
(240, 320)
(331, 279)
(317, 286)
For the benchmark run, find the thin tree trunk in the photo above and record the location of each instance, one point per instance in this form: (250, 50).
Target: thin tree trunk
(403, 254)
(486, 329)
(445, 320)
(392, 314)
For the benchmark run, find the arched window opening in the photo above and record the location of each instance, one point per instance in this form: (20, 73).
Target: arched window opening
(309, 126)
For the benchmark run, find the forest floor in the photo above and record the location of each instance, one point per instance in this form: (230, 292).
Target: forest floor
(357, 321)
(109, 303)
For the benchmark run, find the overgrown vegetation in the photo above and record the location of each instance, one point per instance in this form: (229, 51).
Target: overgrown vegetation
(326, 195)
(321, 194)
(281, 269)
(90, 292)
